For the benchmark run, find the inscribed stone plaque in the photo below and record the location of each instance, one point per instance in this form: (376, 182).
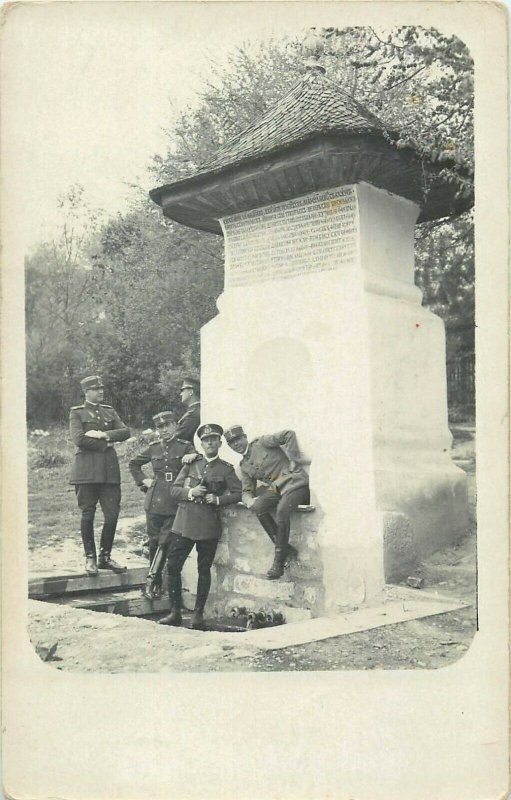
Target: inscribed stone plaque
(315, 233)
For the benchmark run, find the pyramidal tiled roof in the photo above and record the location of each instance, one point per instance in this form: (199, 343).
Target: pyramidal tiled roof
(314, 105)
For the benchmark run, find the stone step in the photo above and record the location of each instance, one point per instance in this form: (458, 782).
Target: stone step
(53, 585)
(262, 587)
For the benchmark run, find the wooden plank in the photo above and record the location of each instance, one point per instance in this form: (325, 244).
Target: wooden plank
(64, 584)
(129, 603)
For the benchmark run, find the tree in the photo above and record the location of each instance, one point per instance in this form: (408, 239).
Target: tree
(60, 308)
(161, 283)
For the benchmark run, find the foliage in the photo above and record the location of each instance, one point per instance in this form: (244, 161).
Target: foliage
(59, 309)
(419, 82)
(445, 273)
(45, 459)
(163, 291)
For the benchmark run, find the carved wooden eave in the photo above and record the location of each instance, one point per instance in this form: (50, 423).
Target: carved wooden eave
(316, 137)
(320, 163)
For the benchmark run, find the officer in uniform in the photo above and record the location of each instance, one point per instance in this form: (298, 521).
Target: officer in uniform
(189, 422)
(202, 488)
(95, 474)
(164, 454)
(274, 461)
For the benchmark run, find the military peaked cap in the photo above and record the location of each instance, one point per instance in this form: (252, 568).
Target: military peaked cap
(92, 382)
(234, 432)
(190, 383)
(211, 429)
(163, 417)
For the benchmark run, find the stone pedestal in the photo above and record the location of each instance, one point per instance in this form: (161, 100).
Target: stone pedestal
(321, 330)
(242, 559)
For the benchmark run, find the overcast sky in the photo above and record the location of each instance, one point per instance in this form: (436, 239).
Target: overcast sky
(89, 85)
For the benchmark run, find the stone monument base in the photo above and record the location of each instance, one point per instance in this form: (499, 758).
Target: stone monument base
(245, 553)
(243, 557)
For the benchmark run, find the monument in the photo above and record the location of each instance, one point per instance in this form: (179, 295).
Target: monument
(322, 331)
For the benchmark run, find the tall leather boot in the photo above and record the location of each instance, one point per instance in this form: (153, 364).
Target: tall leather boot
(282, 552)
(277, 568)
(174, 618)
(283, 532)
(269, 525)
(89, 546)
(203, 586)
(105, 548)
(152, 589)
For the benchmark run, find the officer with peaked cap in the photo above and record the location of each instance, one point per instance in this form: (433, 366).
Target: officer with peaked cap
(94, 427)
(189, 422)
(273, 460)
(164, 454)
(202, 488)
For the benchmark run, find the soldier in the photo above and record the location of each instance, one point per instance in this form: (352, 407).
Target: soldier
(202, 488)
(164, 454)
(189, 422)
(274, 461)
(94, 427)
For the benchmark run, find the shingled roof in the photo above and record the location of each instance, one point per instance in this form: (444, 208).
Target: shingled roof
(316, 137)
(314, 105)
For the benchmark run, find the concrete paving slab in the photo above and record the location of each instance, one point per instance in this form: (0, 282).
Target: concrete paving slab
(409, 606)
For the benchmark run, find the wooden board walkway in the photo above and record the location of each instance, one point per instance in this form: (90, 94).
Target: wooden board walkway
(55, 585)
(129, 603)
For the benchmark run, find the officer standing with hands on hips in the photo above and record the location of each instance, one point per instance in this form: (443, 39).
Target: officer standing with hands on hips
(202, 488)
(164, 454)
(94, 427)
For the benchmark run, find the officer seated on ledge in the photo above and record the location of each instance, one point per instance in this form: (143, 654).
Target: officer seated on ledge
(273, 460)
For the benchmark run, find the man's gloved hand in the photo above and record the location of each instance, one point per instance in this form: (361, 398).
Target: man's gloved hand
(147, 482)
(212, 499)
(250, 502)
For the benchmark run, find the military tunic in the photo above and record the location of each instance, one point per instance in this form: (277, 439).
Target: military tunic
(165, 456)
(196, 519)
(189, 422)
(95, 459)
(267, 460)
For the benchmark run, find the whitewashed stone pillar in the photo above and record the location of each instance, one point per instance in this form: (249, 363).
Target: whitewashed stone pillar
(321, 330)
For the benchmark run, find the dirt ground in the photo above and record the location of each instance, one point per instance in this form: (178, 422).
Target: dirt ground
(89, 641)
